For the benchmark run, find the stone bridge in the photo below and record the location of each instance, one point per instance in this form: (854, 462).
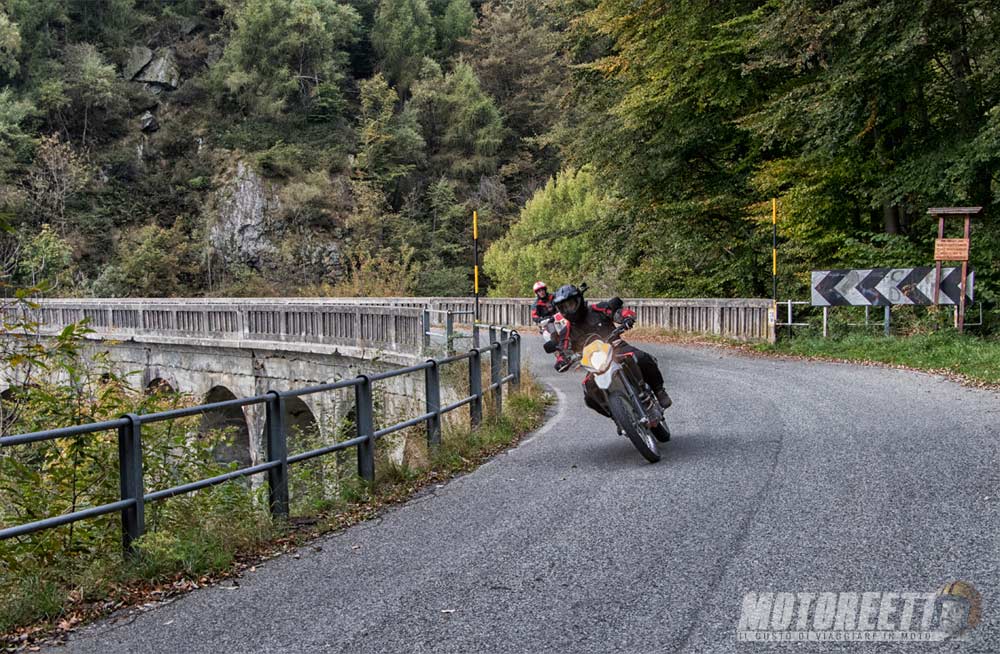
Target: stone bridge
(215, 350)
(222, 349)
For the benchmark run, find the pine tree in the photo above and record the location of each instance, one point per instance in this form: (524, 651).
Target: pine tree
(403, 35)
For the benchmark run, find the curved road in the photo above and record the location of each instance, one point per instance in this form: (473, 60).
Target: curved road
(782, 476)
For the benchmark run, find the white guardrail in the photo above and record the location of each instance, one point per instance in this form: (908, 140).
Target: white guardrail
(394, 324)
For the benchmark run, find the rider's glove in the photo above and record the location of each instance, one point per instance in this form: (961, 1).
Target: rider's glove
(628, 322)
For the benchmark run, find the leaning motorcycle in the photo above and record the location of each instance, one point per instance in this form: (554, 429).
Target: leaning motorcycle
(622, 392)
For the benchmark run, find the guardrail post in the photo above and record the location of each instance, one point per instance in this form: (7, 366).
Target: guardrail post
(366, 427)
(130, 475)
(493, 335)
(426, 321)
(475, 333)
(505, 342)
(514, 359)
(449, 333)
(277, 450)
(496, 374)
(475, 388)
(432, 393)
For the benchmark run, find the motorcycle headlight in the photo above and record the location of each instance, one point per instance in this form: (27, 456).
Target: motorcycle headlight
(597, 357)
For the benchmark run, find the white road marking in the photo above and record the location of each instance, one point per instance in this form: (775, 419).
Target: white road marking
(554, 420)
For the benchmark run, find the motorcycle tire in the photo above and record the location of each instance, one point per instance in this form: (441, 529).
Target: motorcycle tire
(625, 415)
(661, 432)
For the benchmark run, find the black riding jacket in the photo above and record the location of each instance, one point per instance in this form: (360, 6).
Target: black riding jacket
(600, 318)
(543, 308)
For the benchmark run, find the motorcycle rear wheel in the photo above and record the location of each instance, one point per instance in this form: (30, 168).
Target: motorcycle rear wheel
(625, 415)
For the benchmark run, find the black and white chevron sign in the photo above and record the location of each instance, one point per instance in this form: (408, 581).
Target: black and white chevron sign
(885, 286)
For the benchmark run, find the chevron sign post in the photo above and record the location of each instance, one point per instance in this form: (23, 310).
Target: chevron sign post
(883, 287)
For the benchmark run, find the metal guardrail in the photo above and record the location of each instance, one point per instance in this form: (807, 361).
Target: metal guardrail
(133, 493)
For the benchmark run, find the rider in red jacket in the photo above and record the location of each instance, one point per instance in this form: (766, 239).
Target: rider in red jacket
(583, 320)
(543, 307)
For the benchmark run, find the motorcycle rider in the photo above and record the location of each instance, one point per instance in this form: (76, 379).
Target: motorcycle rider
(543, 307)
(600, 319)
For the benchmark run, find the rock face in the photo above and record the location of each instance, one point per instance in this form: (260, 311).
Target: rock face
(244, 206)
(162, 70)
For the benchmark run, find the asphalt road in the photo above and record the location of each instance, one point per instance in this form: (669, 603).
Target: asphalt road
(782, 476)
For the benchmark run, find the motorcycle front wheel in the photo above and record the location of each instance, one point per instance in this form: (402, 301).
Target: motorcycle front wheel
(628, 419)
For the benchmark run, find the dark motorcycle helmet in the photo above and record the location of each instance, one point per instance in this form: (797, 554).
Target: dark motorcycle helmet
(570, 303)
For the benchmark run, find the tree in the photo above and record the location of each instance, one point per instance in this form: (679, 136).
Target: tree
(560, 236)
(152, 262)
(461, 124)
(44, 260)
(284, 53)
(391, 145)
(55, 177)
(655, 116)
(403, 35)
(108, 22)
(15, 143)
(453, 20)
(516, 57)
(93, 93)
(10, 46)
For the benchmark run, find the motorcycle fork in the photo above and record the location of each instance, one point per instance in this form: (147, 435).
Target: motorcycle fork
(640, 394)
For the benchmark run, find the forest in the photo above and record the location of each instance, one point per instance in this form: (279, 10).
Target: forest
(339, 147)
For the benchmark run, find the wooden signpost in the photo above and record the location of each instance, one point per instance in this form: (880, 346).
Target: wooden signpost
(953, 249)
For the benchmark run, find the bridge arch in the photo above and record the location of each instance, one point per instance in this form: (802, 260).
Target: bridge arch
(231, 420)
(160, 385)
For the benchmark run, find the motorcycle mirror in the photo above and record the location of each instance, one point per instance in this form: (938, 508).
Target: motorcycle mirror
(549, 347)
(583, 287)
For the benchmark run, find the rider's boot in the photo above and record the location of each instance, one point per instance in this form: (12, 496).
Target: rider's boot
(663, 398)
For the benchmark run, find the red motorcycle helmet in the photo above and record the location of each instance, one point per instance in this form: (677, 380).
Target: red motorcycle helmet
(539, 286)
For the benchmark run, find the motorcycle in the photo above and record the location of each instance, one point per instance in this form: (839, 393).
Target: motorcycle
(622, 392)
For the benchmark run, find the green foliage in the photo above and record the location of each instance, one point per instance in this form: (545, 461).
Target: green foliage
(151, 262)
(44, 260)
(557, 238)
(453, 20)
(403, 35)
(517, 59)
(461, 125)
(15, 143)
(10, 46)
(857, 114)
(285, 52)
(59, 385)
(108, 22)
(390, 143)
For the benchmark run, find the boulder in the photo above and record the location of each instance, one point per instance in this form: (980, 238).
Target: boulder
(162, 71)
(190, 25)
(138, 58)
(148, 122)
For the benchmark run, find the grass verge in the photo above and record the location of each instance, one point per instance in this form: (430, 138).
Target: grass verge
(229, 534)
(975, 360)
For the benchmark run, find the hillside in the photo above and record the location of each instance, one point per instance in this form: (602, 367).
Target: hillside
(259, 147)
